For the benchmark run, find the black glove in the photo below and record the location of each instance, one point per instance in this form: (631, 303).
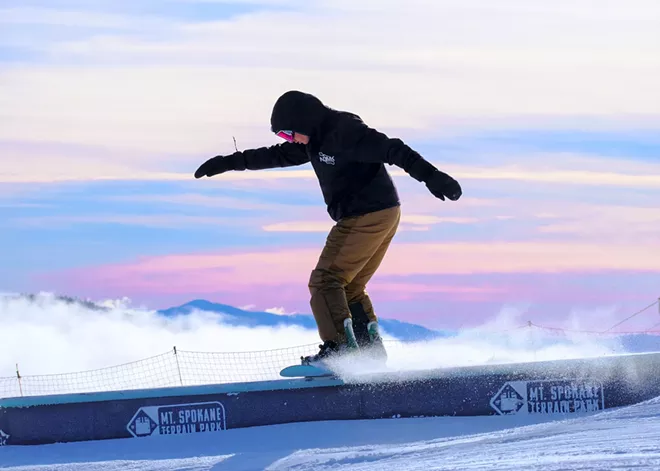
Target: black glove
(216, 165)
(440, 185)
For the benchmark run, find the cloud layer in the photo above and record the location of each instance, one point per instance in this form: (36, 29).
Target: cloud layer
(46, 336)
(168, 87)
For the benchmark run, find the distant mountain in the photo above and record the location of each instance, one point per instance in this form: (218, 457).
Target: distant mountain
(405, 331)
(231, 315)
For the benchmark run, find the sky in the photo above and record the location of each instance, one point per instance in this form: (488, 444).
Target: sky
(546, 113)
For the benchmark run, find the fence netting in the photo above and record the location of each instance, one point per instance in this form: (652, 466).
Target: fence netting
(190, 368)
(173, 368)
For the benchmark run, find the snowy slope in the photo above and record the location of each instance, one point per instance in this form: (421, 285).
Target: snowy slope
(625, 438)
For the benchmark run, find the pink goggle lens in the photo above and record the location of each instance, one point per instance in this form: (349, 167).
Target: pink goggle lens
(286, 135)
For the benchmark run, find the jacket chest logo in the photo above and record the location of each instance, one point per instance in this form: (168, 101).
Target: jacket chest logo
(326, 159)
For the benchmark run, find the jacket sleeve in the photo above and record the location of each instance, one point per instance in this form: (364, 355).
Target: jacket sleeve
(286, 154)
(369, 145)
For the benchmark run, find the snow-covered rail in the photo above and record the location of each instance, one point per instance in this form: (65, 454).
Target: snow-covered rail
(559, 387)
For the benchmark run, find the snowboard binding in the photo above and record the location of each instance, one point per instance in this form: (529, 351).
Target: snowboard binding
(367, 333)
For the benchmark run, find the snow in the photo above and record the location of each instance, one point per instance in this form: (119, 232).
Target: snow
(623, 438)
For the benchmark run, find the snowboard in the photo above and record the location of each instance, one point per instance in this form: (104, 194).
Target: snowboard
(306, 371)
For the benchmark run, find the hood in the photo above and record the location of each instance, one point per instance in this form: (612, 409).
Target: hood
(298, 111)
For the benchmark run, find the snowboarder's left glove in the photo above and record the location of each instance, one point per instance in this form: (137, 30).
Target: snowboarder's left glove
(216, 165)
(440, 185)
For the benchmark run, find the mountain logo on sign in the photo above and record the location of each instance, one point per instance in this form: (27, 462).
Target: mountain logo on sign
(507, 400)
(142, 425)
(3, 438)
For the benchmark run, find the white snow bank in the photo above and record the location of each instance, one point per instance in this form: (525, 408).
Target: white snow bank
(623, 438)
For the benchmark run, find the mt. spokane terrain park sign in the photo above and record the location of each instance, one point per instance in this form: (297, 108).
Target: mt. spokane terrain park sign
(549, 397)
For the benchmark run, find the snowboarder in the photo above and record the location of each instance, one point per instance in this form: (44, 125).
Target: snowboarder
(348, 158)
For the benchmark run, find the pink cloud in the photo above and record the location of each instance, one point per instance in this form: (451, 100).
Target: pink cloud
(581, 177)
(203, 201)
(298, 226)
(409, 222)
(409, 291)
(58, 165)
(245, 271)
(460, 284)
(599, 221)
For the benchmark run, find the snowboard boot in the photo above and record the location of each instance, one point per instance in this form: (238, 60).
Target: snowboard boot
(351, 339)
(330, 349)
(326, 350)
(367, 333)
(360, 323)
(376, 347)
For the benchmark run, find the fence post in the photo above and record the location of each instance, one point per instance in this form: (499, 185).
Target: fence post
(531, 338)
(18, 377)
(178, 367)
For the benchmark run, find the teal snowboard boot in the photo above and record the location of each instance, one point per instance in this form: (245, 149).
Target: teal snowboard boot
(367, 334)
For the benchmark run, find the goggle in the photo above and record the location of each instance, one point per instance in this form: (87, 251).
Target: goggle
(286, 135)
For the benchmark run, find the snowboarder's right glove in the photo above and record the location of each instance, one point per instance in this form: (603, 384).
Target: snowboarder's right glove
(216, 165)
(440, 185)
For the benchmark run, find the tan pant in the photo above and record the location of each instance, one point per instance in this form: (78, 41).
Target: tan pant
(353, 252)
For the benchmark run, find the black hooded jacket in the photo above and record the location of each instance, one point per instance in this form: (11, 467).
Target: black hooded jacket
(347, 156)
